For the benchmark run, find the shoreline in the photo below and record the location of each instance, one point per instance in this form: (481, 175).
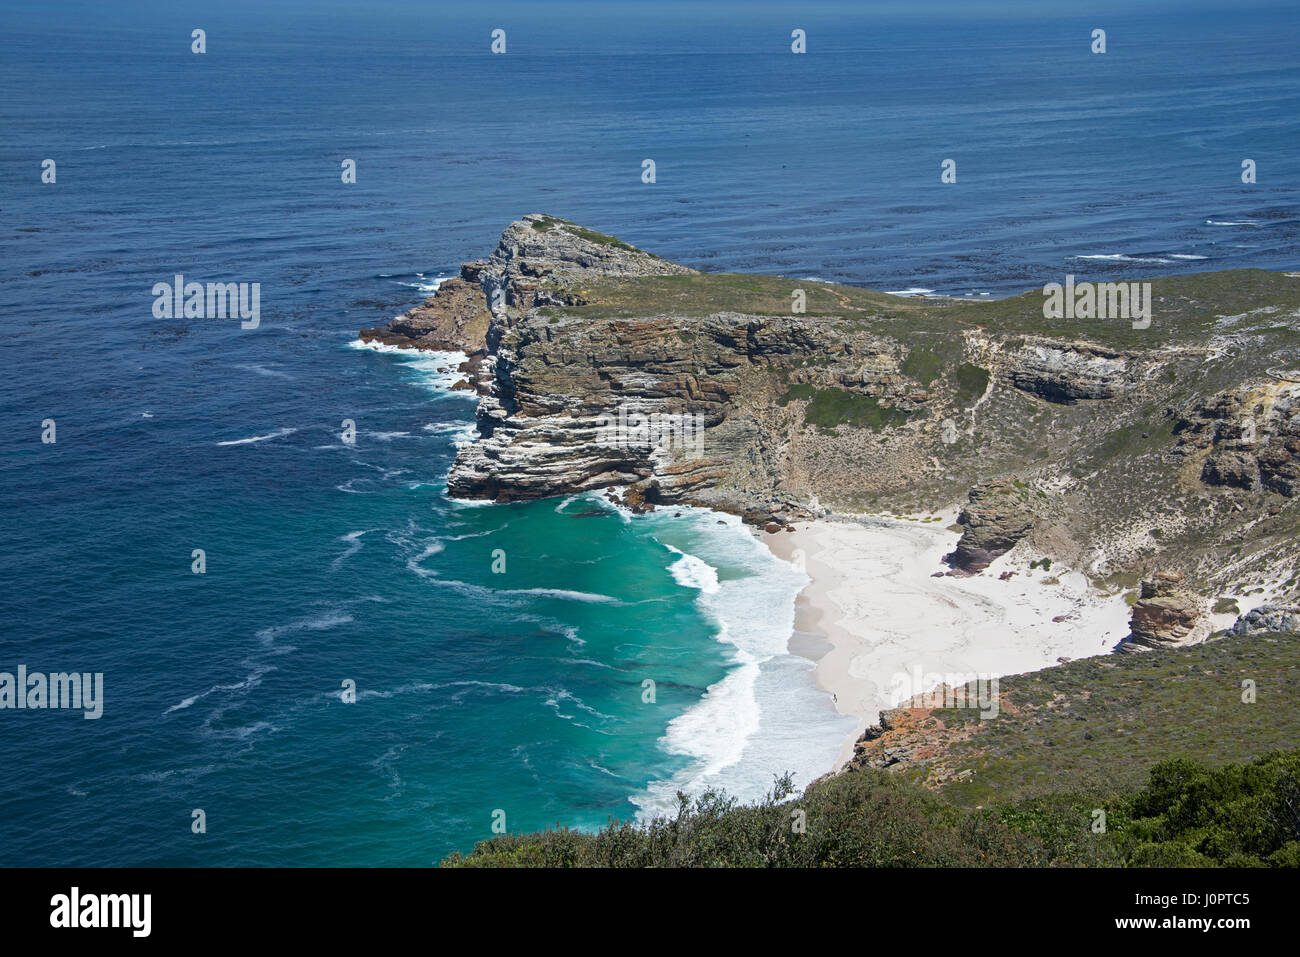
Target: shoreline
(875, 620)
(765, 713)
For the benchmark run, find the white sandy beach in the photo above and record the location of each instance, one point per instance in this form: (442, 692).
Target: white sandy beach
(874, 601)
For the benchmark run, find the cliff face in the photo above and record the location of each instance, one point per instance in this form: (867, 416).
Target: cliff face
(1068, 372)
(599, 365)
(553, 388)
(1250, 436)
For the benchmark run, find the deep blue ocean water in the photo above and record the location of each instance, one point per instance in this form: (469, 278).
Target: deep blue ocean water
(328, 562)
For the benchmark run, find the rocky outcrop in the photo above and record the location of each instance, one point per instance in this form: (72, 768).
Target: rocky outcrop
(900, 723)
(1268, 618)
(1279, 457)
(1068, 372)
(1249, 437)
(998, 514)
(454, 319)
(1166, 615)
(914, 737)
(1232, 468)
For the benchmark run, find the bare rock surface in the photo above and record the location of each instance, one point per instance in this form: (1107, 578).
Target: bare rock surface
(1167, 615)
(997, 516)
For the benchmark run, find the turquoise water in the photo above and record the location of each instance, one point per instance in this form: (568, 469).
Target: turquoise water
(327, 562)
(518, 690)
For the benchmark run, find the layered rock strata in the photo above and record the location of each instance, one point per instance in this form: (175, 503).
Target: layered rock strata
(1167, 615)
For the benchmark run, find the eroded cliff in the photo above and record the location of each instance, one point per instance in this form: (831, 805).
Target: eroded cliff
(600, 365)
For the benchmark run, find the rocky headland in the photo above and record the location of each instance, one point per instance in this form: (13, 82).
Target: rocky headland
(1104, 446)
(1161, 463)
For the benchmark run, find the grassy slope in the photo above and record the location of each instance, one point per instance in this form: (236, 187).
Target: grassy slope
(1094, 725)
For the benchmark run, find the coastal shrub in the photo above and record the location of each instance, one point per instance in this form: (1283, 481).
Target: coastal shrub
(1168, 855)
(601, 239)
(800, 390)
(972, 381)
(860, 819)
(877, 819)
(1288, 855)
(1062, 824)
(830, 408)
(1234, 816)
(547, 223)
(1186, 816)
(922, 365)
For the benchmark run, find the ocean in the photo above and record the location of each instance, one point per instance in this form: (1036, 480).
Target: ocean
(516, 694)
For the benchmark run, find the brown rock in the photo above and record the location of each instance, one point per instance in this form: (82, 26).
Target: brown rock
(1166, 615)
(1234, 469)
(998, 515)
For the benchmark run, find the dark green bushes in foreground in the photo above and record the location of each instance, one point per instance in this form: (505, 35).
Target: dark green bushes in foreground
(1187, 816)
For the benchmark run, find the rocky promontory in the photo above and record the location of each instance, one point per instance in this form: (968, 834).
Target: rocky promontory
(454, 319)
(599, 365)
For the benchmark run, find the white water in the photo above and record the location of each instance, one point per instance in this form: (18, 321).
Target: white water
(767, 715)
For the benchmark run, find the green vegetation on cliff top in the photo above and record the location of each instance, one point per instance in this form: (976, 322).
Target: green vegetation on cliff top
(547, 223)
(1097, 723)
(1185, 308)
(830, 408)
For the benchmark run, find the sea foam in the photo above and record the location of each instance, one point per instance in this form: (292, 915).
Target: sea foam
(766, 716)
(433, 369)
(278, 433)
